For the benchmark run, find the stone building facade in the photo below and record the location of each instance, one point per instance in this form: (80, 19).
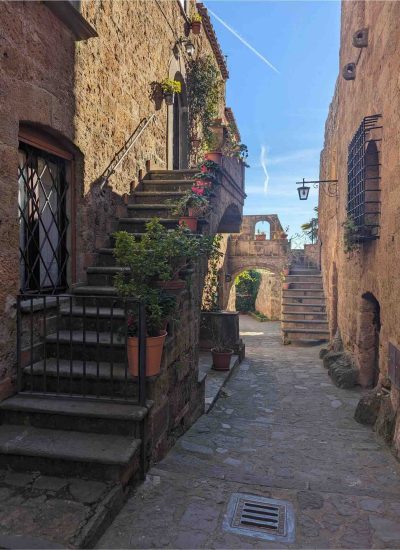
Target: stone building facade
(77, 81)
(361, 150)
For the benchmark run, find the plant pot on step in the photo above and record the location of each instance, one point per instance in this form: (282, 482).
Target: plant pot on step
(175, 286)
(285, 286)
(215, 156)
(221, 358)
(190, 222)
(154, 349)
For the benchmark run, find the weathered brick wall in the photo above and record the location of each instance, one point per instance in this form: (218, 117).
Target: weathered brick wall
(37, 81)
(269, 296)
(374, 269)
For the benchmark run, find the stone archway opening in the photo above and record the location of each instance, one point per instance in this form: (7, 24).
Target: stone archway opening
(263, 230)
(368, 339)
(180, 127)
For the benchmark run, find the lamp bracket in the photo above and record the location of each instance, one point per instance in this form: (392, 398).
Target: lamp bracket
(329, 187)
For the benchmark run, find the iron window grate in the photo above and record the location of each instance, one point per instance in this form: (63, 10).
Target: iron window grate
(260, 517)
(42, 198)
(363, 199)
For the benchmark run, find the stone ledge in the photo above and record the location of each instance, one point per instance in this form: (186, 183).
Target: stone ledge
(215, 380)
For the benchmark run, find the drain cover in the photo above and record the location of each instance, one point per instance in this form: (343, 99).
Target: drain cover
(260, 517)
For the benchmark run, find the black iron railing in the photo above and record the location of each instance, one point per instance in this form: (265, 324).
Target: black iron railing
(76, 346)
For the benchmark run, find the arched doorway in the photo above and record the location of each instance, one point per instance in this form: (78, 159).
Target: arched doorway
(368, 333)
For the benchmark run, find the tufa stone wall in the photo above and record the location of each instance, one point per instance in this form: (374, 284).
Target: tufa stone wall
(269, 296)
(371, 272)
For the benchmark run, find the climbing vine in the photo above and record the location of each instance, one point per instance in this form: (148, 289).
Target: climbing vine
(204, 95)
(210, 292)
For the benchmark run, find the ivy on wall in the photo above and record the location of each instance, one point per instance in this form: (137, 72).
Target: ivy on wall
(204, 95)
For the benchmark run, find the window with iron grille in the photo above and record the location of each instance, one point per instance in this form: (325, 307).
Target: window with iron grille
(363, 199)
(43, 222)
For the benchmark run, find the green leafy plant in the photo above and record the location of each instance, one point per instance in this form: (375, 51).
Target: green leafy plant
(210, 291)
(310, 228)
(169, 86)
(190, 200)
(350, 235)
(247, 285)
(260, 316)
(204, 95)
(159, 256)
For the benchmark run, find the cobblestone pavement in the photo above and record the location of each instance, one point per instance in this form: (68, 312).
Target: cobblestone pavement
(282, 431)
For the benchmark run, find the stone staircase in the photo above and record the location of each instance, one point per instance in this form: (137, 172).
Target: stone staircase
(55, 434)
(304, 320)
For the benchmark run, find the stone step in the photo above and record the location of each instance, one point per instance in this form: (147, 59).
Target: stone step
(91, 290)
(180, 186)
(138, 225)
(155, 197)
(88, 345)
(105, 257)
(288, 315)
(66, 376)
(304, 285)
(103, 275)
(149, 210)
(170, 174)
(303, 292)
(288, 324)
(304, 300)
(69, 453)
(81, 415)
(305, 272)
(299, 333)
(296, 306)
(306, 342)
(305, 277)
(103, 319)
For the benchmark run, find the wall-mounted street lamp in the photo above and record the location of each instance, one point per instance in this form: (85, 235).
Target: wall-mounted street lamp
(188, 45)
(330, 189)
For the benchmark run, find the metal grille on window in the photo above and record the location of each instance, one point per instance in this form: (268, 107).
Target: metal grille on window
(42, 196)
(363, 200)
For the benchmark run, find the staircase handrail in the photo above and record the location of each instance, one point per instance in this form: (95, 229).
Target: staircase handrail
(121, 154)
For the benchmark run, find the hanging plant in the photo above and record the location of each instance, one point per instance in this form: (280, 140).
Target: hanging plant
(195, 23)
(170, 88)
(204, 95)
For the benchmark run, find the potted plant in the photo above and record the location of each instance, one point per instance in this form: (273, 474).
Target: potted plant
(261, 236)
(195, 23)
(221, 357)
(190, 207)
(170, 88)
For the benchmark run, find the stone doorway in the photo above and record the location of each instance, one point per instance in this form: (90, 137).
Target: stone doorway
(180, 128)
(368, 333)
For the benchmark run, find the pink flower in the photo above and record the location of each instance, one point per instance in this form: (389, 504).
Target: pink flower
(203, 169)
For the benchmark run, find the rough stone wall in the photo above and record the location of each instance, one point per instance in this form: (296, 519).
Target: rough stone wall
(376, 90)
(92, 93)
(37, 85)
(269, 296)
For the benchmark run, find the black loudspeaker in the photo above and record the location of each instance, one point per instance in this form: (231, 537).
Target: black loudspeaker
(360, 38)
(349, 71)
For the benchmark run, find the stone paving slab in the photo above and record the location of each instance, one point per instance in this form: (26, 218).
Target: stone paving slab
(278, 431)
(215, 380)
(50, 512)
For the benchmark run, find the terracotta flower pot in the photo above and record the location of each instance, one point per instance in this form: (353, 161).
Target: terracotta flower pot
(221, 359)
(154, 349)
(285, 286)
(175, 286)
(196, 27)
(261, 237)
(215, 156)
(191, 223)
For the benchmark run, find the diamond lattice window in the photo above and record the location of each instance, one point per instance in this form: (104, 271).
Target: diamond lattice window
(42, 197)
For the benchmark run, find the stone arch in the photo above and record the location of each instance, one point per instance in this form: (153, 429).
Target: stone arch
(178, 117)
(368, 340)
(249, 225)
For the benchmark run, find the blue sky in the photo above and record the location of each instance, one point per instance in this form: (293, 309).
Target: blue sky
(282, 112)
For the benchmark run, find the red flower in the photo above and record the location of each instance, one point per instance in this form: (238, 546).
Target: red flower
(203, 169)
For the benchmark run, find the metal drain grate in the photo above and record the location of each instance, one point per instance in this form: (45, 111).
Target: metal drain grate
(260, 517)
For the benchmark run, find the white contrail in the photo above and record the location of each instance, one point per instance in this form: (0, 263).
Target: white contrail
(263, 162)
(243, 41)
